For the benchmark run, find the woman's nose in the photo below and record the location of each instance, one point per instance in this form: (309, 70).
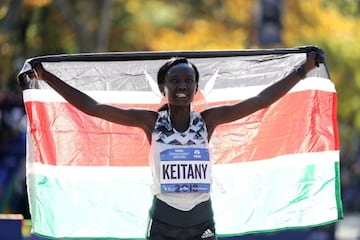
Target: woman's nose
(181, 85)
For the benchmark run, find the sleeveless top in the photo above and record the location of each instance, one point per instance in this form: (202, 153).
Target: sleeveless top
(180, 162)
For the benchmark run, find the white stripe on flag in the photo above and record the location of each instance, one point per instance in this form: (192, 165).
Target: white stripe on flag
(234, 93)
(141, 97)
(124, 97)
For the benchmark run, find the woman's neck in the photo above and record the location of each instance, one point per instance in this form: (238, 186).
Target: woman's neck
(179, 118)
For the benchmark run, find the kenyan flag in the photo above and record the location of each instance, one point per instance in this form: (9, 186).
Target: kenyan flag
(275, 169)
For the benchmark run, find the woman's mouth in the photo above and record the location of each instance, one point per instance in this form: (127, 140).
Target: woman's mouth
(181, 95)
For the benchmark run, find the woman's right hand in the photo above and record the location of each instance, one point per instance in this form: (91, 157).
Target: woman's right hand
(36, 73)
(39, 71)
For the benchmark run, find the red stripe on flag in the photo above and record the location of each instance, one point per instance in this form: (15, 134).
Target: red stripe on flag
(300, 122)
(62, 135)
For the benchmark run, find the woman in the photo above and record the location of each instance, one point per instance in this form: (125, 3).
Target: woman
(179, 142)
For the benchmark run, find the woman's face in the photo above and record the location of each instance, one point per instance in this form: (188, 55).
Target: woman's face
(180, 84)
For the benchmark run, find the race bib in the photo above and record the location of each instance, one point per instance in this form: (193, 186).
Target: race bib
(185, 170)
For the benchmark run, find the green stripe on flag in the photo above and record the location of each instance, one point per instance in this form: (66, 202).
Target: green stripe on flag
(338, 191)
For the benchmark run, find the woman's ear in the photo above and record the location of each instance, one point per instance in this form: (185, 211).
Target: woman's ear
(161, 88)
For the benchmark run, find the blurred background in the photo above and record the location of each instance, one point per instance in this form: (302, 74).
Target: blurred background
(31, 28)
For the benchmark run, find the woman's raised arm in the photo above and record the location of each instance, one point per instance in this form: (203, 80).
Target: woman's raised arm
(229, 113)
(144, 119)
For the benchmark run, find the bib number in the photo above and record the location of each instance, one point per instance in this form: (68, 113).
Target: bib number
(185, 170)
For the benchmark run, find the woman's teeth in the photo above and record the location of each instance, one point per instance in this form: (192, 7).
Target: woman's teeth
(181, 95)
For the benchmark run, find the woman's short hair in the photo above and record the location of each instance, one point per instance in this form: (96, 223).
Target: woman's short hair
(172, 62)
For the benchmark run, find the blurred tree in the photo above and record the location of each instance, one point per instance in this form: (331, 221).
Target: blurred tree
(89, 23)
(329, 25)
(346, 7)
(209, 25)
(8, 15)
(270, 22)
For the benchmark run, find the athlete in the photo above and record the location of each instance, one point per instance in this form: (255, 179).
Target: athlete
(179, 142)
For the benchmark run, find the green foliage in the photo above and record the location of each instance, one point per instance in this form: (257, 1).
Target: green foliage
(346, 7)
